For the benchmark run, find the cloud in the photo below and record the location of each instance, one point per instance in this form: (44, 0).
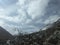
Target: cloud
(51, 19)
(31, 10)
(26, 15)
(6, 11)
(36, 8)
(5, 3)
(2, 22)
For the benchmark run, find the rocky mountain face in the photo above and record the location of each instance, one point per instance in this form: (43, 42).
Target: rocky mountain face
(53, 34)
(5, 35)
(50, 36)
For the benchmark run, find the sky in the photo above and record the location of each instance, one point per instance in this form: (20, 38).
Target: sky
(28, 16)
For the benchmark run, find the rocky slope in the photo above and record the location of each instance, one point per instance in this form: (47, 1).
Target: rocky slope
(50, 36)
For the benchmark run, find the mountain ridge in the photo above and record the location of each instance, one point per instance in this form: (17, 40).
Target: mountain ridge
(43, 37)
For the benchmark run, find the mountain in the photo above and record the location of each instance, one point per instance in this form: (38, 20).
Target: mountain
(49, 36)
(5, 35)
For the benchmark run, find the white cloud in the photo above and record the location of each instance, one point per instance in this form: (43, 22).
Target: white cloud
(37, 8)
(2, 23)
(29, 13)
(52, 19)
(26, 9)
(5, 15)
(21, 2)
(2, 11)
(34, 9)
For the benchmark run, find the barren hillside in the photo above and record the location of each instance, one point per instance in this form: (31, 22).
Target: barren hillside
(50, 36)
